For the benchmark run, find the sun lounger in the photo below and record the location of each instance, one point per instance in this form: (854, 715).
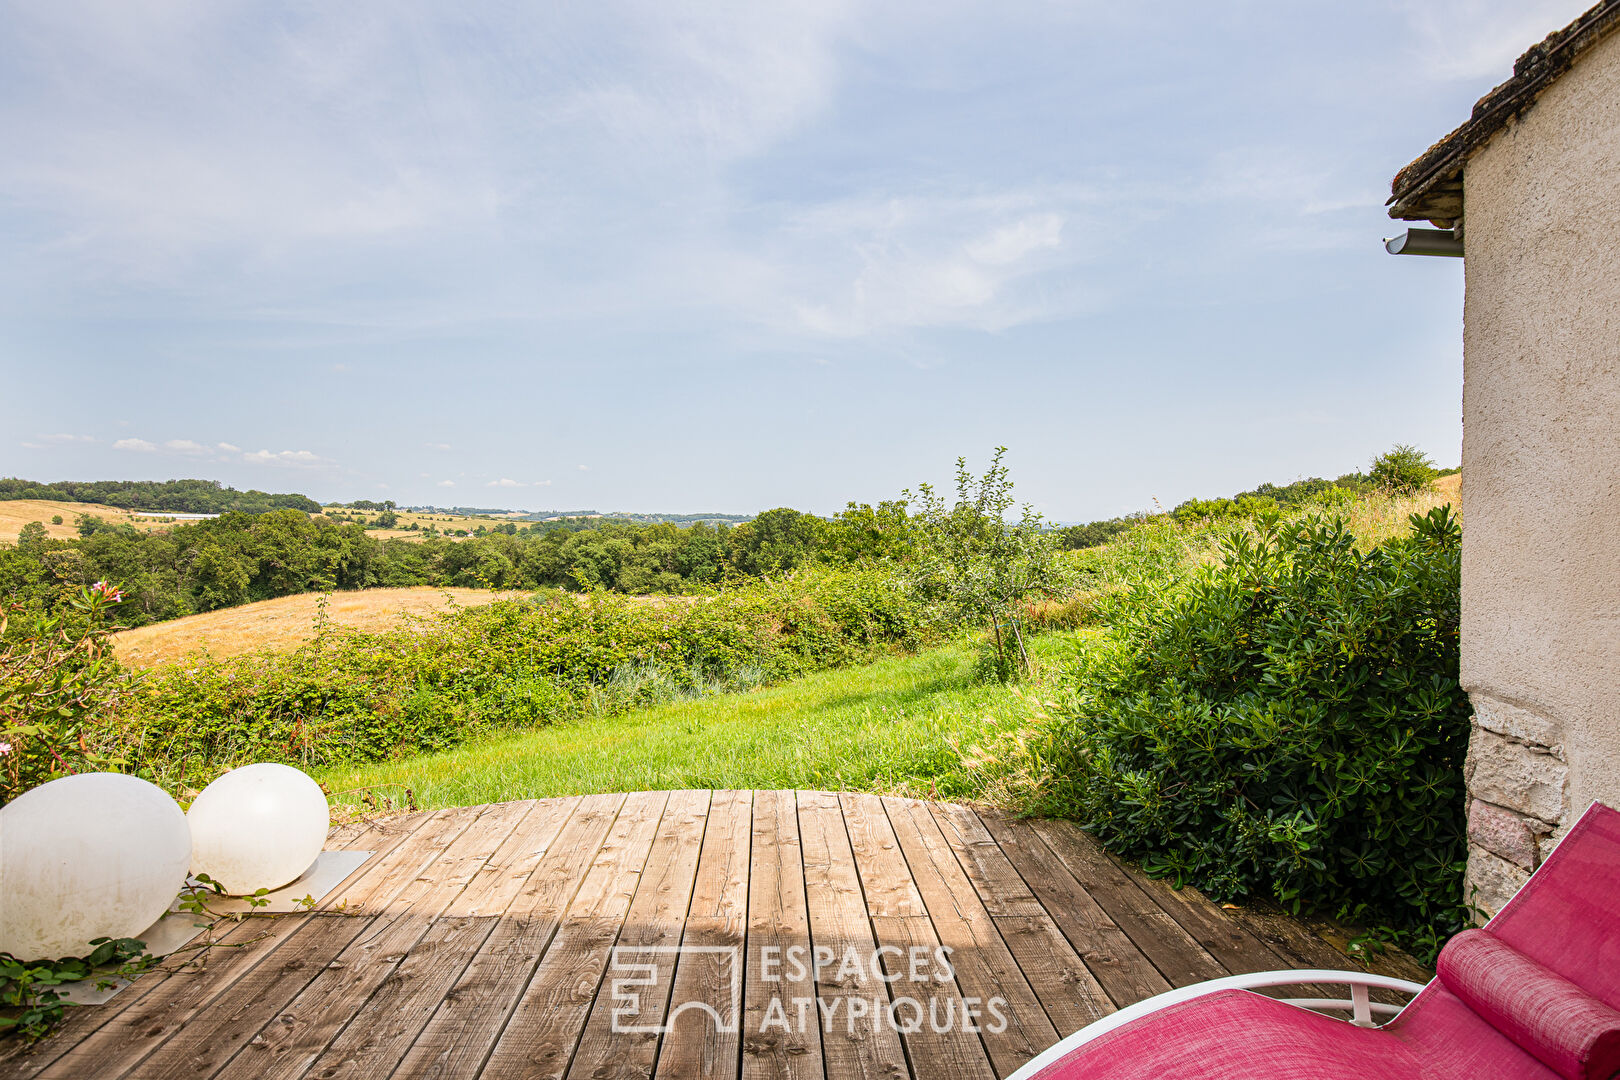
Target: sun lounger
(1534, 994)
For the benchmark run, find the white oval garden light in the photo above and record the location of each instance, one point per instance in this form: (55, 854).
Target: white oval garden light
(257, 827)
(87, 856)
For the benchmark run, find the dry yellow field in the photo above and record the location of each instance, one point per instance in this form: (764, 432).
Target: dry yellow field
(15, 513)
(283, 623)
(447, 524)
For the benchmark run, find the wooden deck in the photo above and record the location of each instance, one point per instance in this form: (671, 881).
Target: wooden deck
(491, 940)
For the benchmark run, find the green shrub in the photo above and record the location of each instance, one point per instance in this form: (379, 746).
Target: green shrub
(58, 687)
(1404, 470)
(349, 696)
(1094, 533)
(1285, 723)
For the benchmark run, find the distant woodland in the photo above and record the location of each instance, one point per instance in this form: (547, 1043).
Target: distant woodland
(239, 558)
(276, 548)
(175, 496)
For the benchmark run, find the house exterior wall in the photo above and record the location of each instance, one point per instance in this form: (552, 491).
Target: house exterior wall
(1541, 469)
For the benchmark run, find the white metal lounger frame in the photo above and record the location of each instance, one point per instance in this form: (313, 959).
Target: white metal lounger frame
(1360, 1005)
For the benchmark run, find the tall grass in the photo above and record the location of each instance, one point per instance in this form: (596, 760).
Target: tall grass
(471, 673)
(1160, 550)
(631, 711)
(900, 725)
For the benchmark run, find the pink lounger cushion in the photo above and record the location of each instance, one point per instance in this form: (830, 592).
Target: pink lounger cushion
(1238, 1035)
(1572, 1032)
(1534, 996)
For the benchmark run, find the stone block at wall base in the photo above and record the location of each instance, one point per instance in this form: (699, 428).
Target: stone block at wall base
(1546, 843)
(1506, 834)
(1490, 881)
(1514, 776)
(1517, 723)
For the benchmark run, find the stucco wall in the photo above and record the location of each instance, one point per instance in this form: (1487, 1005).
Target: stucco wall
(1541, 472)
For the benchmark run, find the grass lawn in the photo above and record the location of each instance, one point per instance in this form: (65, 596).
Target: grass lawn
(887, 727)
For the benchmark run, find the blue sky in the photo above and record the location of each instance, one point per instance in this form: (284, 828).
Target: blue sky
(728, 256)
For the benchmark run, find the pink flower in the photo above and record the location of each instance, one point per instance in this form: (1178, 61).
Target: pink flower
(5, 748)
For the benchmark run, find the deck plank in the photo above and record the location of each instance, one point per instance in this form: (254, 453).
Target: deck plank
(930, 993)
(697, 1044)
(544, 1030)
(236, 1018)
(482, 942)
(1224, 937)
(499, 880)
(840, 926)
(1301, 946)
(381, 1033)
(1001, 888)
(1179, 958)
(22, 1062)
(186, 1005)
(655, 923)
(1122, 969)
(366, 975)
(464, 1027)
(775, 1045)
(1070, 993)
(985, 966)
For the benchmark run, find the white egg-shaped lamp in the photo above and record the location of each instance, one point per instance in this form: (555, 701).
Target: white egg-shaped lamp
(257, 827)
(84, 857)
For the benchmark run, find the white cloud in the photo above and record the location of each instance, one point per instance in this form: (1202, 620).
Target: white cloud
(584, 468)
(505, 482)
(197, 131)
(437, 445)
(65, 438)
(1477, 39)
(1010, 243)
(291, 458)
(222, 451)
(447, 483)
(351, 143)
(986, 261)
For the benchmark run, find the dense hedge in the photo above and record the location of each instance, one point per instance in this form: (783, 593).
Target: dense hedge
(1286, 723)
(351, 697)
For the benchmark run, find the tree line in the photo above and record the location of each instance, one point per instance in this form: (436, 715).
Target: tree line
(240, 558)
(1401, 470)
(175, 496)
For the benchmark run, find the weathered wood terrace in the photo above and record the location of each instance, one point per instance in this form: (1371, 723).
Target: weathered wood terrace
(830, 936)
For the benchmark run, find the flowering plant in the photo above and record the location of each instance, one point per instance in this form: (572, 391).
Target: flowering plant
(58, 681)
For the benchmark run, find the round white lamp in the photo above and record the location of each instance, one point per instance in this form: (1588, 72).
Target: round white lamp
(87, 856)
(257, 827)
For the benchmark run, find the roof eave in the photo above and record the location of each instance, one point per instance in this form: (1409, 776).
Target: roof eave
(1431, 187)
